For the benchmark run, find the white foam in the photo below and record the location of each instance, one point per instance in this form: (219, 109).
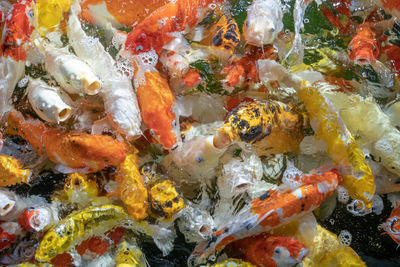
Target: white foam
(345, 238)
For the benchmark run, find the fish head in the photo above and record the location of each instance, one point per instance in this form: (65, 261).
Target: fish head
(392, 225)
(138, 42)
(247, 123)
(164, 132)
(363, 49)
(288, 251)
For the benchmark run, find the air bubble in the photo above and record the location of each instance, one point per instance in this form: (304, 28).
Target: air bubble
(357, 208)
(212, 6)
(292, 176)
(306, 20)
(343, 195)
(23, 82)
(345, 238)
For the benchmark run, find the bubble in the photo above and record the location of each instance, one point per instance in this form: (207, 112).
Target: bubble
(292, 176)
(357, 208)
(212, 6)
(332, 221)
(23, 82)
(306, 20)
(287, 31)
(343, 195)
(345, 238)
(377, 205)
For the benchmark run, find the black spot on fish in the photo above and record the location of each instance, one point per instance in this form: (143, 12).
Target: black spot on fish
(302, 206)
(251, 134)
(264, 196)
(168, 204)
(243, 124)
(217, 39)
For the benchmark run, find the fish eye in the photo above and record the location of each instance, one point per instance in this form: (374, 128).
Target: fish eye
(173, 123)
(139, 48)
(277, 250)
(152, 132)
(351, 48)
(374, 48)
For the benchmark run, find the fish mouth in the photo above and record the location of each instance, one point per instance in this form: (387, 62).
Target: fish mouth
(223, 138)
(363, 60)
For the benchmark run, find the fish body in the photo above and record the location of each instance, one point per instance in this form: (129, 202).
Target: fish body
(75, 150)
(363, 48)
(341, 146)
(392, 225)
(156, 101)
(11, 171)
(153, 32)
(15, 36)
(268, 250)
(273, 127)
(129, 254)
(272, 209)
(131, 188)
(78, 226)
(9, 232)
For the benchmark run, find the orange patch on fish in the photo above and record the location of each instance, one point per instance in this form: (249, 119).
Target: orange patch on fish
(76, 150)
(156, 101)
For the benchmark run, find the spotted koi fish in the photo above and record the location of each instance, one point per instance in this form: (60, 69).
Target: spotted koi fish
(392, 225)
(268, 250)
(16, 34)
(224, 37)
(75, 150)
(272, 209)
(273, 127)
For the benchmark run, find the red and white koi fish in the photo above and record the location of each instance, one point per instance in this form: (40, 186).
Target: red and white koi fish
(16, 34)
(268, 250)
(392, 225)
(272, 209)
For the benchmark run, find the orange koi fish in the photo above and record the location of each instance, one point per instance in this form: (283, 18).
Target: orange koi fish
(155, 30)
(274, 208)
(15, 35)
(363, 48)
(123, 12)
(91, 152)
(240, 72)
(393, 54)
(17, 31)
(156, 101)
(392, 225)
(268, 250)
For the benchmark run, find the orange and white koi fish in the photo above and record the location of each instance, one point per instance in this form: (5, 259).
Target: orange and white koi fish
(268, 250)
(16, 34)
(118, 12)
(241, 72)
(154, 31)
(363, 48)
(272, 209)
(77, 150)
(392, 225)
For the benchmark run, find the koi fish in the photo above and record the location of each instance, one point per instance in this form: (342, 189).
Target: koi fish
(273, 127)
(80, 189)
(118, 12)
(341, 146)
(363, 48)
(263, 22)
(50, 13)
(16, 35)
(344, 13)
(129, 254)
(75, 150)
(12, 172)
(131, 188)
(78, 226)
(165, 199)
(241, 72)
(120, 101)
(272, 209)
(392, 225)
(233, 263)
(9, 231)
(155, 30)
(223, 38)
(393, 54)
(156, 101)
(268, 250)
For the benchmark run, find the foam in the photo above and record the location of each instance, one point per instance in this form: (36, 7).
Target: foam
(343, 194)
(345, 238)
